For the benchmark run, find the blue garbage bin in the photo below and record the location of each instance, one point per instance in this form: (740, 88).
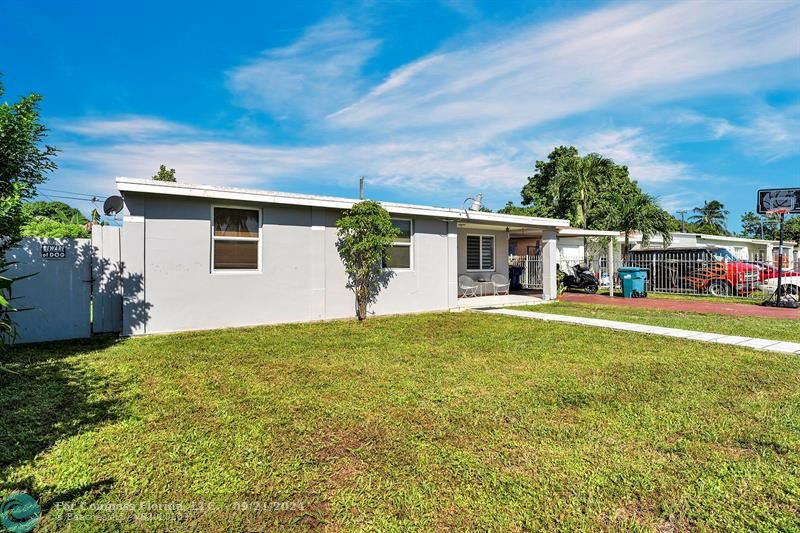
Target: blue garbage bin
(632, 280)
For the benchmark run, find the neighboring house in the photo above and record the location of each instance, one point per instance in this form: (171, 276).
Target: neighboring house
(213, 257)
(571, 245)
(741, 247)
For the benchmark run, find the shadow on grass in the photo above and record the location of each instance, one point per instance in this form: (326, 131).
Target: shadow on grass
(46, 394)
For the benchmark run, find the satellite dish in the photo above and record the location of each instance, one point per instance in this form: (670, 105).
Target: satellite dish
(113, 205)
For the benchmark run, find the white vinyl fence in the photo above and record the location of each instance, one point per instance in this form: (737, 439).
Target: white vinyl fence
(75, 290)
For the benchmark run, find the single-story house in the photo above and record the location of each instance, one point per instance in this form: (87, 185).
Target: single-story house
(741, 247)
(207, 257)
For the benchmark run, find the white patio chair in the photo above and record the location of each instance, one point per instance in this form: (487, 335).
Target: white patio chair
(500, 283)
(467, 286)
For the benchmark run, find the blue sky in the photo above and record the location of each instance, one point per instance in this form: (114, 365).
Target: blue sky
(431, 100)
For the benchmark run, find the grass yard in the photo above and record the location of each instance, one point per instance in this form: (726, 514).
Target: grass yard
(767, 328)
(438, 421)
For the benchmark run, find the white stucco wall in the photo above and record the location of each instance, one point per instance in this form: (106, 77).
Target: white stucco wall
(301, 277)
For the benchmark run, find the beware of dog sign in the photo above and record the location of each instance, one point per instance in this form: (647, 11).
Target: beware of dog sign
(53, 251)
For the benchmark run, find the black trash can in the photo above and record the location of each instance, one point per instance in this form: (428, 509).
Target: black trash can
(514, 274)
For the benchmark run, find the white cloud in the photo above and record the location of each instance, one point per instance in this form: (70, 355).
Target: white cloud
(767, 133)
(130, 126)
(466, 8)
(309, 78)
(213, 163)
(542, 73)
(626, 146)
(463, 119)
(629, 147)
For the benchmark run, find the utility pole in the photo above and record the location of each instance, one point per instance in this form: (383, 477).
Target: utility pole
(682, 213)
(361, 188)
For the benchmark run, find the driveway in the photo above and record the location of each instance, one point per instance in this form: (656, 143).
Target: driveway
(736, 309)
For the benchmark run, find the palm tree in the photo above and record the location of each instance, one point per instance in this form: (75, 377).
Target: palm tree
(712, 215)
(641, 213)
(575, 184)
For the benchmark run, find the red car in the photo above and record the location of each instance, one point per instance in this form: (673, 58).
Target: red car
(767, 271)
(714, 271)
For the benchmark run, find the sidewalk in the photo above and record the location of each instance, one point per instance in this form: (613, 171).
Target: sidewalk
(717, 338)
(719, 308)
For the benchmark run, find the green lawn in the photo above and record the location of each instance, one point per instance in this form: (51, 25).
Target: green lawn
(765, 328)
(438, 421)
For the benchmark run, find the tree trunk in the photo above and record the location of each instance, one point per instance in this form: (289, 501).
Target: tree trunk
(361, 312)
(361, 303)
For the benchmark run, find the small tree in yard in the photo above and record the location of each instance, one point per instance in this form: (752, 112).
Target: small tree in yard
(165, 175)
(25, 162)
(366, 234)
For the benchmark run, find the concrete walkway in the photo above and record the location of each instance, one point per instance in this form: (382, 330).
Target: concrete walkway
(746, 342)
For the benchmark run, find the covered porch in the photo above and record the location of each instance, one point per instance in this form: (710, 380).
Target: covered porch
(514, 298)
(483, 252)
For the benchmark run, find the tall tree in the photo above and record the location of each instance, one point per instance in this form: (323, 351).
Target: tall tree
(25, 162)
(791, 229)
(164, 174)
(54, 210)
(592, 192)
(639, 212)
(524, 210)
(759, 227)
(710, 218)
(575, 185)
(536, 193)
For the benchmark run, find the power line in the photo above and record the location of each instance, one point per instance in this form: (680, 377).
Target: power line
(93, 199)
(74, 193)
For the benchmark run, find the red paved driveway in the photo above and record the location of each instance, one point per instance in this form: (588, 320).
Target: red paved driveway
(683, 305)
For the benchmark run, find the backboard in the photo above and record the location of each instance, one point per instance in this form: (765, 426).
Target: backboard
(778, 200)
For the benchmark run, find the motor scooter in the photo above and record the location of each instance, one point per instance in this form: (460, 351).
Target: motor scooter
(581, 279)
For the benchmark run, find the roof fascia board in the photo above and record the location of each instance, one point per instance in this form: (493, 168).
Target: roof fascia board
(246, 195)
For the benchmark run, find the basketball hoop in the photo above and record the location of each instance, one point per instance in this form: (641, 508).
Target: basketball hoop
(778, 211)
(779, 205)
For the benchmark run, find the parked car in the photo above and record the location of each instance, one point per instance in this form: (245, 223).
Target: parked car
(790, 284)
(767, 271)
(714, 271)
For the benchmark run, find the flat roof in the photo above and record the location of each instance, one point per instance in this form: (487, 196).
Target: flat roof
(725, 238)
(578, 232)
(213, 192)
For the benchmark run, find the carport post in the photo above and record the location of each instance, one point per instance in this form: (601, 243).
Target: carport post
(610, 261)
(549, 258)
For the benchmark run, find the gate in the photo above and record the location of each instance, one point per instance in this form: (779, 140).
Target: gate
(532, 277)
(58, 296)
(75, 290)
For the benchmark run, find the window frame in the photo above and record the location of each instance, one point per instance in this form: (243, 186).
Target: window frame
(215, 238)
(481, 236)
(409, 244)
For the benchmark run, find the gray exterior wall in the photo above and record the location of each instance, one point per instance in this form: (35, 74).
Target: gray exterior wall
(500, 252)
(167, 244)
